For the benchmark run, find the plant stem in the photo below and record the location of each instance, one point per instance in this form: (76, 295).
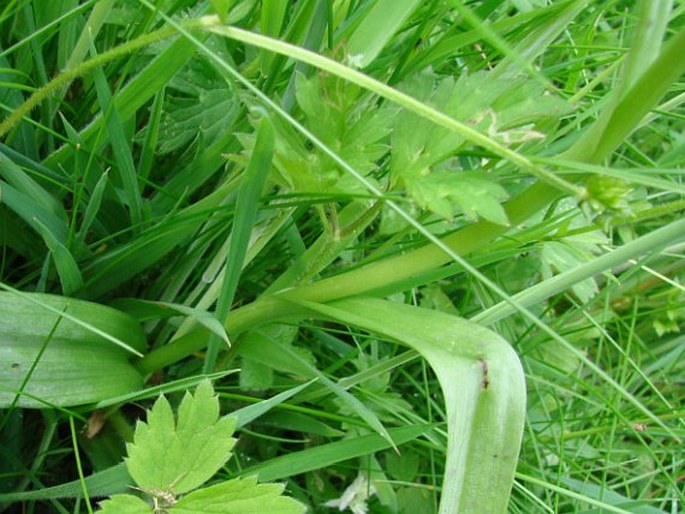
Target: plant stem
(67, 76)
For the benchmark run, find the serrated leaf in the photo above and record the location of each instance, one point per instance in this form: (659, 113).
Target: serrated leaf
(180, 455)
(198, 102)
(559, 256)
(347, 121)
(124, 504)
(448, 193)
(244, 496)
(417, 143)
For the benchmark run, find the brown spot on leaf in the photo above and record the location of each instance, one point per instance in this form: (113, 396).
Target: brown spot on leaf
(485, 382)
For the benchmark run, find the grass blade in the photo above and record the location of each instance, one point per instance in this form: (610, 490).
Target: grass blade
(247, 206)
(120, 146)
(332, 453)
(377, 28)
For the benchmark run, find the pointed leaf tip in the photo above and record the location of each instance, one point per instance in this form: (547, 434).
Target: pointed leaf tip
(179, 455)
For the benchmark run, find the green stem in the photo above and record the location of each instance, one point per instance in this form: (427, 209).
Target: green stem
(655, 240)
(356, 282)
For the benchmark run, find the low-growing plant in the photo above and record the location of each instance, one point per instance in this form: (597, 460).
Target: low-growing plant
(170, 457)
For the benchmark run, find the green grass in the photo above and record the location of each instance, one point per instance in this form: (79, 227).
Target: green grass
(288, 189)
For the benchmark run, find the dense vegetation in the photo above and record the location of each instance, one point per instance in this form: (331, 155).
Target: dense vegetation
(367, 222)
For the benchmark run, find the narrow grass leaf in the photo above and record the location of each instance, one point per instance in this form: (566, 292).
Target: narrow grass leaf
(33, 213)
(247, 207)
(120, 146)
(146, 310)
(601, 505)
(67, 269)
(147, 153)
(329, 454)
(133, 95)
(252, 412)
(273, 15)
(539, 38)
(112, 480)
(173, 386)
(629, 107)
(93, 206)
(443, 48)
(91, 29)
(23, 183)
(377, 28)
(262, 348)
(652, 26)
(606, 495)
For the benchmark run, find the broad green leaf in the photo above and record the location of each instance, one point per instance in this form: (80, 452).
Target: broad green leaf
(353, 125)
(117, 479)
(484, 389)
(198, 102)
(179, 455)
(255, 376)
(243, 496)
(558, 256)
(62, 351)
(672, 233)
(124, 504)
(209, 114)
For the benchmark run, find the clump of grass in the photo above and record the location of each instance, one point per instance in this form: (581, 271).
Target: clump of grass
(238, 178)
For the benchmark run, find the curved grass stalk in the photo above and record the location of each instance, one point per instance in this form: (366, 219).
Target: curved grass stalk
(484, 388)
(389, 93)
(68, 76)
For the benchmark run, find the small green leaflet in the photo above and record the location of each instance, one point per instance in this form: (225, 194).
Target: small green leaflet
(198, 102)
(448, 193)
(180, 455)
(422, 157)
(244, 496)
(124, 504)
(353, 125)
(173, 455)
(237, 496)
